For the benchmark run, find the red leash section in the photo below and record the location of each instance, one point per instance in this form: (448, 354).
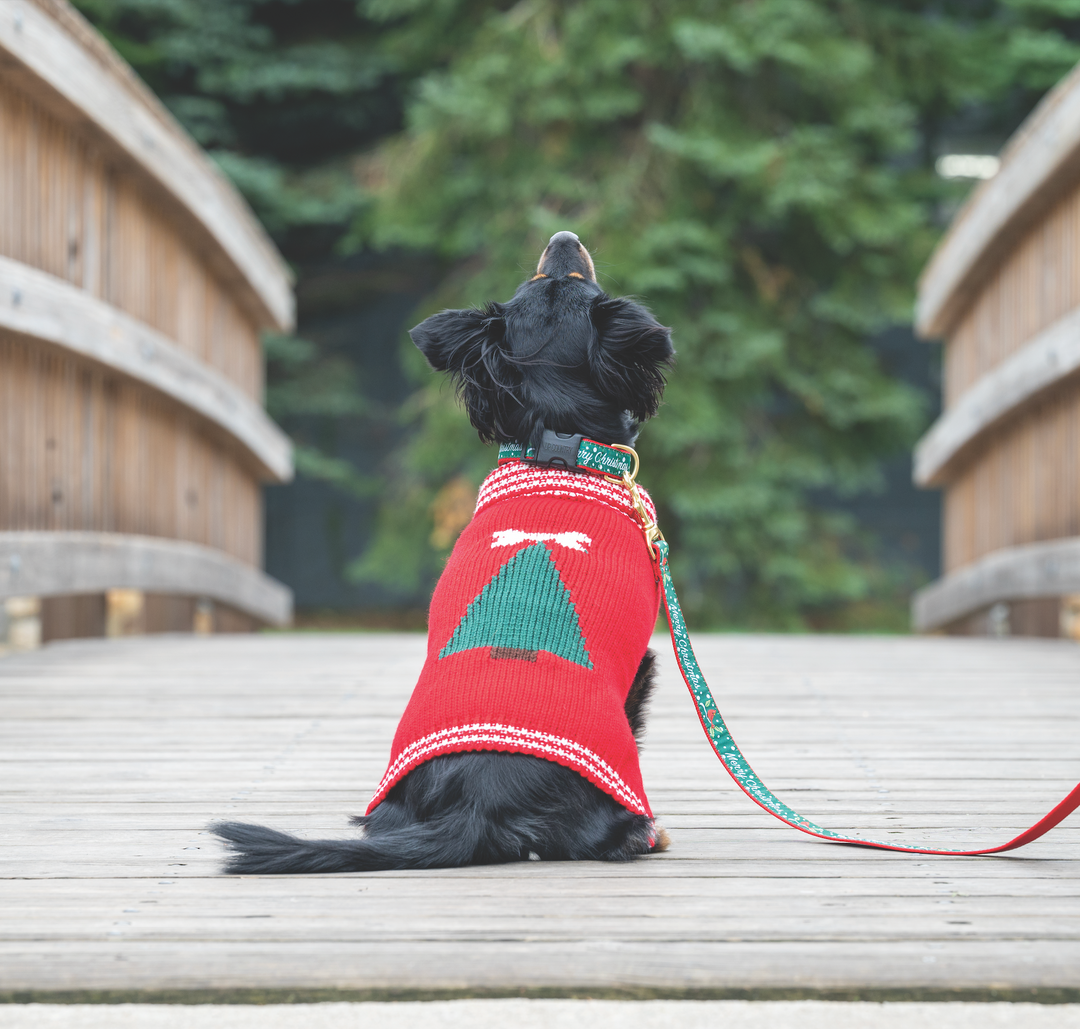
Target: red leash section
(740, 770)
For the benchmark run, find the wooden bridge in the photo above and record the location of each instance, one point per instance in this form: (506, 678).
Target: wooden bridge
(133, 286)
(116, 753)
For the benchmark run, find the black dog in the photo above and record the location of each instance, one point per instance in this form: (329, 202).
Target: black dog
(563, 356)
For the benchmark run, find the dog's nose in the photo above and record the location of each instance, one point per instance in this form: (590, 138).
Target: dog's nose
(565, 256)
(566, 234)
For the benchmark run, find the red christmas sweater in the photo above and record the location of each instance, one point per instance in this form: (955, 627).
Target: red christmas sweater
(536, 629)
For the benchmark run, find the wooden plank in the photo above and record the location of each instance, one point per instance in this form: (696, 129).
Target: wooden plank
(56, 563)
(1020, 486)
(556, 966)
(99, 895)
(47, 310)
(1050, 569)
(1035, 285)
(114, 755)
(66, 64)
(1044, 362)
(88, 450)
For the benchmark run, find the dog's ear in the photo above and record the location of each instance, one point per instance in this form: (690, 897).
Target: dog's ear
(451, 340)
(470, 346)
(629, 351)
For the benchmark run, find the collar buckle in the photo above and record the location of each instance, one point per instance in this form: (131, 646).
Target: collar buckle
(559, 450)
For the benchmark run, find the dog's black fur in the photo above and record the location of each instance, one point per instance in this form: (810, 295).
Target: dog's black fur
(560, 355)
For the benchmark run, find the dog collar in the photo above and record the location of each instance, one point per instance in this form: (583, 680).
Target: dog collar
(572, 451)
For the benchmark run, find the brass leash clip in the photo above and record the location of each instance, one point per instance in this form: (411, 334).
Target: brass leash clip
(648, 524)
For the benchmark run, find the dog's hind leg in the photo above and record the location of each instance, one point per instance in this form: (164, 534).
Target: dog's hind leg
(636, 708)
(641, 690)
(502, 807)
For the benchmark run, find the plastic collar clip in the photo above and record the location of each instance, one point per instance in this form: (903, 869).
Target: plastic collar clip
(559, 449)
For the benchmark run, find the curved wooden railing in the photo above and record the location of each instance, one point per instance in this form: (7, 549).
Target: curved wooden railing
(45, 309)
(46, 564)
(1035, 570)
(134, 282)
(1003, 289)
(1048, 361)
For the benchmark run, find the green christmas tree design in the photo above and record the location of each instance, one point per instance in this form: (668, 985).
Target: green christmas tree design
(525, 607)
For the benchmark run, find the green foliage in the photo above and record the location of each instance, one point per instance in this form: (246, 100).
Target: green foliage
(305, 382)
(404, 554)
(280, 92)
(759, 172)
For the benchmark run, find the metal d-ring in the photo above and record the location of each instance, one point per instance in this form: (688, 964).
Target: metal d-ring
(633, 453)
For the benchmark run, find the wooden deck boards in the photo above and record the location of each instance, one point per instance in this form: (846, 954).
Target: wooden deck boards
(114, 755)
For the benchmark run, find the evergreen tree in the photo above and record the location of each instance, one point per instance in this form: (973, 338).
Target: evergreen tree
(760, 173)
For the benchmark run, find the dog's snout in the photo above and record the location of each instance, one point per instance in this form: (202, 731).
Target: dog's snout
(565, 256)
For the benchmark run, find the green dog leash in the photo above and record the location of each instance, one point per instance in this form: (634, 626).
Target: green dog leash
(728, 751)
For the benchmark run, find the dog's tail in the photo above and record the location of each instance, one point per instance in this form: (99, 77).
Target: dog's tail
(257, 850)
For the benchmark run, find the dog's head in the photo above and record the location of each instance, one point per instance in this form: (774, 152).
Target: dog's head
(561, 355)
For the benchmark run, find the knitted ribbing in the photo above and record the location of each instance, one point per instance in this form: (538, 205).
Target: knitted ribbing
(536, 629)
(519, 478)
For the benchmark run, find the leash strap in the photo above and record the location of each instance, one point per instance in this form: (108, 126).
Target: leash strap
(739, 768)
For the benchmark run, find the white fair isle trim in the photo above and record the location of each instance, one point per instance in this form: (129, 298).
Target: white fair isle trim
(570, 540)
(516, 478)
(485, 735)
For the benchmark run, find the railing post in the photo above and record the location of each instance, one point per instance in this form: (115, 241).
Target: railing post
(23, 618)
(125, 613)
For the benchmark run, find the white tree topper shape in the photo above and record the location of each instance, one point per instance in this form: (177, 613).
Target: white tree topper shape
(571, 540)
